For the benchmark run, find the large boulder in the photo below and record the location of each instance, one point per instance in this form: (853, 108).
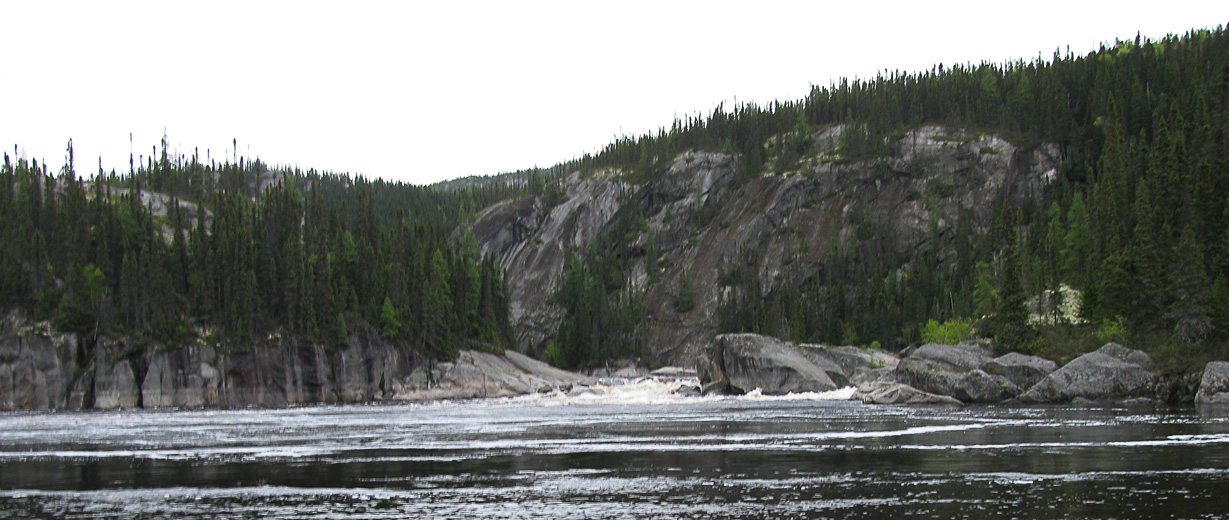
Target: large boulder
(740, 363)
(480, 374)
(896, 393)
(1096, 376)
(1130, 355)
(823, 358)
(954, 370)
(849, 365)
(1021, 369)
(1214, 388)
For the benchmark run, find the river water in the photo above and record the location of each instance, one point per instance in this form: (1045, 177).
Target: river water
(631, 450)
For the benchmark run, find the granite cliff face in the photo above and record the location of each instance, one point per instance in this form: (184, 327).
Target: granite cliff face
(41, 369)
(704, 216)
(533, 243)
(36, 366)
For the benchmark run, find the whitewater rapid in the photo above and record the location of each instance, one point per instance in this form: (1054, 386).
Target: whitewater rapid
(649, 390)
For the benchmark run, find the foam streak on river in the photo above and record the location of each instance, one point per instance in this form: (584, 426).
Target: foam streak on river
(630, 449)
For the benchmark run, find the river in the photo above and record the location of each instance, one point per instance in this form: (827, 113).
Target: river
(630, 449)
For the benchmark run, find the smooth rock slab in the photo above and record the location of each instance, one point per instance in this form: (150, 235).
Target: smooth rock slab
(953, 370)
(1021, 369)
(849, 365)
(965, 356)
(1214, 387)
(480, 374)
(740, 363)
(1095, 376)
(896, 393)
(1134, 356)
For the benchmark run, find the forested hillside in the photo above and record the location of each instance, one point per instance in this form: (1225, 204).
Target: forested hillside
(908, 207)
(177, 250)
(1134, 223)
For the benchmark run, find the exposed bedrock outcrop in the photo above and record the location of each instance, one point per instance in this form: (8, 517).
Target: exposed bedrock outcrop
(1021, 369)
(480, 374)
(36, 365)
(534, 242)
(704, 216)
(1214, 387)
(185, 377)
(117, 383)
(851, 366)
(938, 374)
(1110, 373)
(956, 371)
(740, 363)
(887, 392)
(40, 369)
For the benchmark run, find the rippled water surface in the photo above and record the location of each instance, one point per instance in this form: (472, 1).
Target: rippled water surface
(630, 451)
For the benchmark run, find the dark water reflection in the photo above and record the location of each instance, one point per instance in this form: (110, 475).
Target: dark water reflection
(664, 458)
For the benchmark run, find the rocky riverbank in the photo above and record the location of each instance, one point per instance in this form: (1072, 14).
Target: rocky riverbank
(43, 369)
(940, 374)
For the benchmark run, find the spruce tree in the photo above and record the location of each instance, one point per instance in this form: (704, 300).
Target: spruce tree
(437, 309)
(1011, 329)
(1076, 240)
(1188, 315)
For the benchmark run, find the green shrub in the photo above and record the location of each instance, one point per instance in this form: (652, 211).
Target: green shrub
(1112, 330)
(949, 332)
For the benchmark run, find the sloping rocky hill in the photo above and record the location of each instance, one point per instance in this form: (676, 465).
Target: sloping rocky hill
(707, 218)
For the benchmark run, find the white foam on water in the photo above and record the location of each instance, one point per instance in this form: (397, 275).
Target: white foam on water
(645, 390)
(840, 394)
(650, 390)
(1172, 440)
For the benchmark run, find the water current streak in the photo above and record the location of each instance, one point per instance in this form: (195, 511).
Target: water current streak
(627, 449)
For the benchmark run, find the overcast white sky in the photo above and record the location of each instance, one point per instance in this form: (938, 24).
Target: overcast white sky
(426, 91)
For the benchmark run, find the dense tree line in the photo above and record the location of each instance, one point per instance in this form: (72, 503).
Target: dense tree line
(1138, 219)
(178, 250)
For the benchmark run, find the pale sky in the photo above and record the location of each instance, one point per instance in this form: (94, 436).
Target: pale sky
(426, 91)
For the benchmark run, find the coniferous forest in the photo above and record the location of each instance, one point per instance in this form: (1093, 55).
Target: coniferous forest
(178, 249)
(1137, 221)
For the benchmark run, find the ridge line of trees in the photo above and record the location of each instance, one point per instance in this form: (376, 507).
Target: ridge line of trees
(1137, 218)
(178, 250)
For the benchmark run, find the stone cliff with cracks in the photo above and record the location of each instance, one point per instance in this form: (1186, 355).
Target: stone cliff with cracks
(706, 217)
(43, 369)
(533, 241)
